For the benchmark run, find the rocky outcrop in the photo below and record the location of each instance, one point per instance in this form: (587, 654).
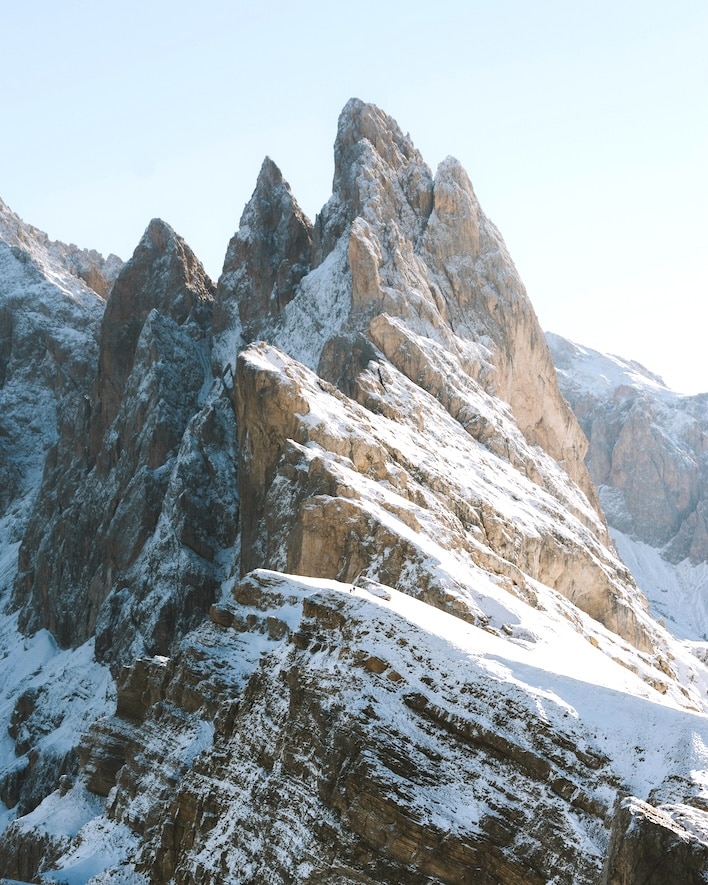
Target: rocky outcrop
(647, 449)
(49, 323)
(140, 493)
(25, 852)
(657, 846)
(164, 276)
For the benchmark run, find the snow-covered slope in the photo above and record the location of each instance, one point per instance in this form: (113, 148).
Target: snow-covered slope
(69, 268)
(362, 736)
(49, 326)
(432, 663)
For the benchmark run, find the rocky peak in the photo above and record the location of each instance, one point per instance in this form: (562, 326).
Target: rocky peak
(141, 445)
(450, 687)
(266, 258)
(420, 261)
(378, 174)
(163, 275)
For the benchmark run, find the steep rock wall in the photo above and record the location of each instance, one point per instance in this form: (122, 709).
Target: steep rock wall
(140, 495)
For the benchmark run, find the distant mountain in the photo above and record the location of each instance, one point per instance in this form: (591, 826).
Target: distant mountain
(50, 306)
(648, 455)
(314, 585)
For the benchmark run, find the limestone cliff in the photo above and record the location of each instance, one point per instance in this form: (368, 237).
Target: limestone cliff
(410, 275)
(332, 489)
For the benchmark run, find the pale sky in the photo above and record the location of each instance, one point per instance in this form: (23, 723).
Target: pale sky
(583, 127)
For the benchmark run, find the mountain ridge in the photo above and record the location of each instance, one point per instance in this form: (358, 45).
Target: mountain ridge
(329, 524)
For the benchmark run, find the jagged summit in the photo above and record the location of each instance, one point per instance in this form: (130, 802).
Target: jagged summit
(361, 121)
(163, 275)
(266, 258)
(378, 173)
(114, 465)
(409, 274)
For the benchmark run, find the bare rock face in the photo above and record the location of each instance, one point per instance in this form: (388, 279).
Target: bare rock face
(164, 275)
(421, 251)
(266, 258)
(131, 497)
(657, 846)
(647, 449)
(331, 489)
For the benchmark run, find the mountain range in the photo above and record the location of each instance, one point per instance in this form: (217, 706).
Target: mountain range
(325, 572)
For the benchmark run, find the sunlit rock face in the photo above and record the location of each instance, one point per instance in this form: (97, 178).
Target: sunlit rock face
(332, 489)
(411, 279)
(329, 524)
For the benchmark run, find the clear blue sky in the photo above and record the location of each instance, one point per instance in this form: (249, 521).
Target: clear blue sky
(583, 126)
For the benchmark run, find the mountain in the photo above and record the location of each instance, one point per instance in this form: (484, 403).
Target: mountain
(647, 454)
(315, 585)
(49, 333)
(51, 300)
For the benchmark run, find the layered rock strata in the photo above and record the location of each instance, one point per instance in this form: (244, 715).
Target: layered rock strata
(354, 735)
(428, 701)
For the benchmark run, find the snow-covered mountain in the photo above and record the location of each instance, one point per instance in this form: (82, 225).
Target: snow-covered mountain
(648, 455)
(328, 526)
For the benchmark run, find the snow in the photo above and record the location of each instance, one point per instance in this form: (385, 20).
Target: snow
(73, 689)
(58, 263)
(601, 373)
(319, 311)
(563, 676)
(560, 685)
(101, 845)
(677, 592)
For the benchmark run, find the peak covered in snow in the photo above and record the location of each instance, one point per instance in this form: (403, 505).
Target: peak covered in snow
(600, 373)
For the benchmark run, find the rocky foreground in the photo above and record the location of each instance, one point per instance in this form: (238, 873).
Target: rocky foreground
(315, 585)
